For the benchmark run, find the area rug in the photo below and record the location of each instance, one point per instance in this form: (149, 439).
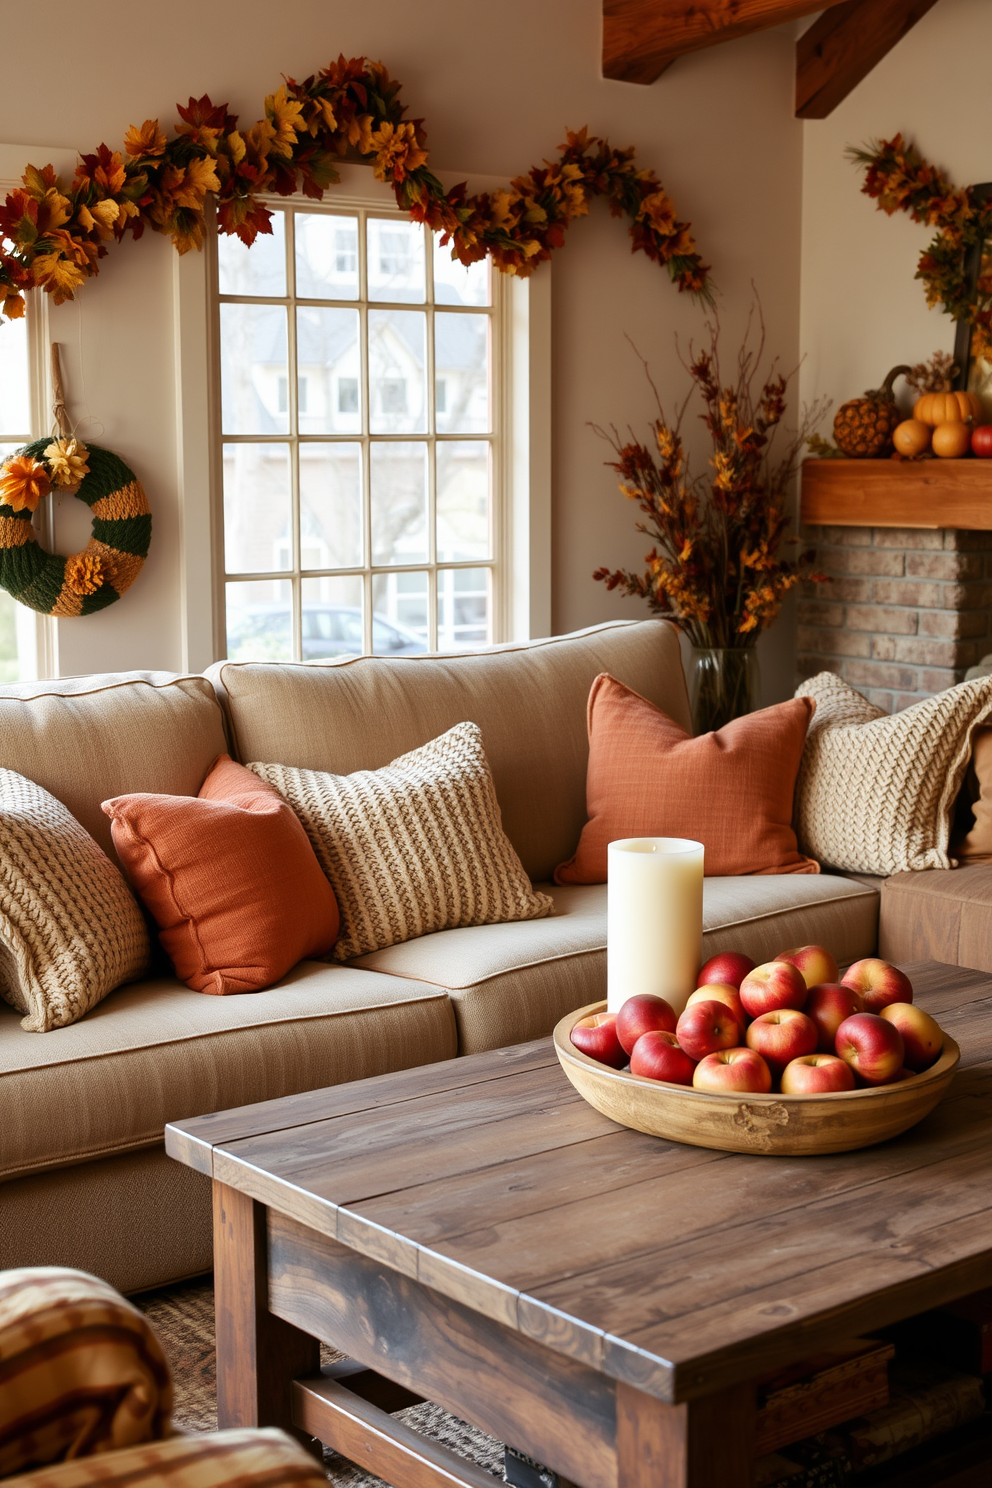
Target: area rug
(183, 1318)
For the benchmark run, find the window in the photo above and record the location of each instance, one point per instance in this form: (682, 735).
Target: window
(359, 437)
(19, 626)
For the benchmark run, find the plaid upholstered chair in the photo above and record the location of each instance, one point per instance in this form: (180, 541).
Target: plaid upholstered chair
(86, 1399)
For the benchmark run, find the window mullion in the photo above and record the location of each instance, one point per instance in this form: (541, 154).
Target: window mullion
(366, 402)
(296, 586)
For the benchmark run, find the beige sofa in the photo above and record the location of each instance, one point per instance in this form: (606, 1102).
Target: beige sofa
(84, 1179)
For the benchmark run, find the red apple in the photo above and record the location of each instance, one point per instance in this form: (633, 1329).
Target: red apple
(879, 983)
(657, 1056)
(773, 985)
(981, 441)
(828, 1005)
(816, 964)
(921, 1034)
(722, 992)
(644, 1014)
(706, 1027)
(729, 968)
(731, 1071)
(872, 1046)
(816, 1074)
(597, 1037)
(782, 1036)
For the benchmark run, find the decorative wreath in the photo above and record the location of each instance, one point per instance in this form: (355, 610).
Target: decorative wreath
(55, 232)
(899, 179)
(118, 545)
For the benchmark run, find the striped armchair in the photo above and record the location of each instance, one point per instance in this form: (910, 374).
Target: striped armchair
(86, 1399)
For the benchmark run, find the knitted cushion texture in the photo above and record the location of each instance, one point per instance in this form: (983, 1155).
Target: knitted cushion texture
(877, 791)
(414, 847)
(70, 928)
(731, 789)
(230, 878)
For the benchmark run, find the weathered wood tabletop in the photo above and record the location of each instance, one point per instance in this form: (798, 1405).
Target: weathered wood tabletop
(588, 1261)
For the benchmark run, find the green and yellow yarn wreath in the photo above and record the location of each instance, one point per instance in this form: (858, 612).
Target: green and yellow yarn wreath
(122, 527)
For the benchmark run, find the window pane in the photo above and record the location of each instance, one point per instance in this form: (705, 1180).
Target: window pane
(454, 284)
(464, 609)
(15, 391)
(400, 604)
(332, 618)
(330, 505)
(461, 373)
(326, 256)
(258, 270)
(329, 371)
(396, 261)
(253, 371)
(397, 363)
(399, 503)
(257, 508)
(462, 500)
(260, 620)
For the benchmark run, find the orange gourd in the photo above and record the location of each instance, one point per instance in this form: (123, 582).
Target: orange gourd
(952, 440)
(912, 437)
(947, 408)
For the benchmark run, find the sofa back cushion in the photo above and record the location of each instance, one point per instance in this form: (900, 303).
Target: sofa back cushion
(529, 699)
(85, 739)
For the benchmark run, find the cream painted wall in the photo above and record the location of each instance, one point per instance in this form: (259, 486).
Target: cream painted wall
(497, 86)
(862, 310)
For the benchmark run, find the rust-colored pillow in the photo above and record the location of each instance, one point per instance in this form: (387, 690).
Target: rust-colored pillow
(230, 878)
(731, 790)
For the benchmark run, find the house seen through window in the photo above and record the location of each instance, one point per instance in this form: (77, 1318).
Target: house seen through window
(359, 439)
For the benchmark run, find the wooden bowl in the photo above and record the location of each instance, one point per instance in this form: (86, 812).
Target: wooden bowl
(782, 1125)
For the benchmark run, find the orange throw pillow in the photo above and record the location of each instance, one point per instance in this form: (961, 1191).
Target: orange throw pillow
(230, 877)
(731, 790)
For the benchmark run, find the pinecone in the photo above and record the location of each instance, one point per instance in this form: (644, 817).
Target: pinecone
(863, 427)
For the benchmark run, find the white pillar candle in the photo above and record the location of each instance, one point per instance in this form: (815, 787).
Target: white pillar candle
(654, 931)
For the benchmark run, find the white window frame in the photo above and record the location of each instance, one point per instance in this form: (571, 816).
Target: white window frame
(12, 162)
(521, 503)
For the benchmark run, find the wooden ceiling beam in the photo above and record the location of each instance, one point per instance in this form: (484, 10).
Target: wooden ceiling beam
(643, 37)
(842, 47)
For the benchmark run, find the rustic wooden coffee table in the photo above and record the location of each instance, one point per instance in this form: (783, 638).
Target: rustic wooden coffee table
(473, 1233)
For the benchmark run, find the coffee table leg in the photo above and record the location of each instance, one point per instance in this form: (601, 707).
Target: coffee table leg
(699, 1444)
(258, 1355)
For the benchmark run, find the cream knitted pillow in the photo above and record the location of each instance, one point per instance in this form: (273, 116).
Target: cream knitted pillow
(414, 847)
(876, 792)
(70, 928)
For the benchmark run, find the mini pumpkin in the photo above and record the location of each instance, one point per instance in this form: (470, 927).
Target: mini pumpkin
(863, 427)
(947, 408)
(912, 437)
(952, 441)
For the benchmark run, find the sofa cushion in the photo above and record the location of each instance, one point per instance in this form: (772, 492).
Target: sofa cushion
(156, 1052)
(87, 738)
(70, 928)
(529, 699)
(939, 915)
(513, 982)
(413, 848)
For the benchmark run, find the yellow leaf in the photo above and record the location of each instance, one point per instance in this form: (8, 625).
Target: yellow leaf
(198, 178)
(148, 140)
(60, 276)
(236, 145)
(286, 117)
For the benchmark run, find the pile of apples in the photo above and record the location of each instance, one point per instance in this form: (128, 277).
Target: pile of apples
(789, 1025)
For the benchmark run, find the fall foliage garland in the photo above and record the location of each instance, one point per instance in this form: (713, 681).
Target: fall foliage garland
(55, 234)
(899, 179)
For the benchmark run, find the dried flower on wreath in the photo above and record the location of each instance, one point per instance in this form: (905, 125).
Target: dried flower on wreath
(899, 179)
(715, 568)
(67, 461)
(23, 483)
(56, 232)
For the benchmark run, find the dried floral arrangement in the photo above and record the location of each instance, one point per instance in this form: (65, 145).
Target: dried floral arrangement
(899, 179)
(716, 569)
(56, 233)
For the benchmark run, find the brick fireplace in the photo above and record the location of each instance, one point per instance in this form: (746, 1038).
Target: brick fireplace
(908, 611)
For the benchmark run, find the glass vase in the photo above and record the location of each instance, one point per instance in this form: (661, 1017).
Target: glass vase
(724, 683)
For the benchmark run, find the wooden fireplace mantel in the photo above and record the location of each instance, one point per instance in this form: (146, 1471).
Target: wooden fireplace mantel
(898, 493)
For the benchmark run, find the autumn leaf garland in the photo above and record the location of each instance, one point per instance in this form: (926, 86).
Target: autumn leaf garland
(899, 179)
(55, 234)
